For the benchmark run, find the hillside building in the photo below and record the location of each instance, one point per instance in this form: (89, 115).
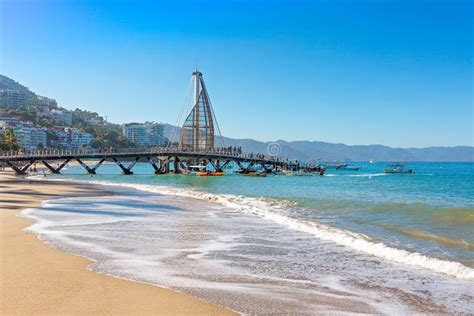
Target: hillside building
(146, 134)
(12, 99)
(72, 138)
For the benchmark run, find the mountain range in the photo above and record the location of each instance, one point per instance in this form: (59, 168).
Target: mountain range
(323, 151)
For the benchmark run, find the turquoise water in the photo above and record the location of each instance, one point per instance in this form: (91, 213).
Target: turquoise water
(350, 241)
(431, 211)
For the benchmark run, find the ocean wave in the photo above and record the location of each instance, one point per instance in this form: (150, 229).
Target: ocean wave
(430, 237)
(455, 215)
(275, 211)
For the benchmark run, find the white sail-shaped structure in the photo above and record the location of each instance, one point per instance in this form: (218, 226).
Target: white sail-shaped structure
(197, 133)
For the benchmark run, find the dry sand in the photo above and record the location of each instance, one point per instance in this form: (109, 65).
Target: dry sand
(36, 279)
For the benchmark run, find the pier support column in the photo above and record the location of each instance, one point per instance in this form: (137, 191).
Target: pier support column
(130, 166)
(166, 165)
(215, 165)
(20, 170)
(88, 169)
(176, 163)
(222, 167)
(268, 169)
(246, 169)
(55, 170)
(163, 167)
(126, 170)
(61, 166)
(153, 164)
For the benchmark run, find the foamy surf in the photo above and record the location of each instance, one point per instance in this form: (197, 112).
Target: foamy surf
(275, 211)
(366, 175)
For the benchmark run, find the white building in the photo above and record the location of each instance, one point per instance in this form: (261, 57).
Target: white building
(29, 138)
(72, 138)
(46, 101)
(155, 133)
(62, 139)
(12, 98)
(8, 122)
(60, 116)
(147, 134)
(78, 138)
(136, 132)
(37, 137)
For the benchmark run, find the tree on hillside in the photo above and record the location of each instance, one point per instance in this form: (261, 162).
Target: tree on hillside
(106, 137)
(8, 140)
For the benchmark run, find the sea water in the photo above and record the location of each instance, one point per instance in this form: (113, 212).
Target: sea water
(355, 241)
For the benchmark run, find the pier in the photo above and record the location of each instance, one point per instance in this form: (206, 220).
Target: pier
(196, 147)
(163, 160)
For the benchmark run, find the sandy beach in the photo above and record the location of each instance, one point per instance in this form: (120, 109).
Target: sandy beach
(36, 279)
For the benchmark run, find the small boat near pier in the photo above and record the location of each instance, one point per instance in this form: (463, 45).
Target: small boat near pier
(397, 168)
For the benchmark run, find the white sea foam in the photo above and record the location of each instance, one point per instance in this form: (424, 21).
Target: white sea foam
(368, 175)
(275, 211)
(357, 175)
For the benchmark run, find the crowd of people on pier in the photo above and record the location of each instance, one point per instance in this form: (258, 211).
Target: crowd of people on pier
(234, 151)
(108, 150)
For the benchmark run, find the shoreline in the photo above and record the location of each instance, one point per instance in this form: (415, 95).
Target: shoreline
(36, 278)
(348, 300)
(450, 267)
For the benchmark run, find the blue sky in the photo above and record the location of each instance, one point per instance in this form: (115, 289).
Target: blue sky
(398, 73)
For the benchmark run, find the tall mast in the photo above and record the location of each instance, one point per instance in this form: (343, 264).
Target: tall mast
(197, 92)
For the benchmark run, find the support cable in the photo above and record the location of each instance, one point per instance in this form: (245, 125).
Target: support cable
(185, 106)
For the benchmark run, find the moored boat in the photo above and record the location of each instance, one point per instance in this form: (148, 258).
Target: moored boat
(255, 174)
(339, 166)
(396, 168)
(348, 167)
(210, 174)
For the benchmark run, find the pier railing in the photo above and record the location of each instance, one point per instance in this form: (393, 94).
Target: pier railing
(223, 152)
(158, 157)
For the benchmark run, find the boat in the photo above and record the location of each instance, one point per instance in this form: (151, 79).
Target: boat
(186, 171)
(255, 174)
(242, 171)
(348, 167)
(396, 168)
(340, 166)
(210, 174)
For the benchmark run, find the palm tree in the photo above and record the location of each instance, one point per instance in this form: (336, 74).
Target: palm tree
(3, 146)
(8, 141)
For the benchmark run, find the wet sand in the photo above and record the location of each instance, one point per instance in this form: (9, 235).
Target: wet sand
(36, 279)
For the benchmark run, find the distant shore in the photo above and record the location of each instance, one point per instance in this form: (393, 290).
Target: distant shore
(36, 279)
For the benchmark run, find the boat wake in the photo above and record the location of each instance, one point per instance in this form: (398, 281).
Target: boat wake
(357, 175)
(369, 175)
